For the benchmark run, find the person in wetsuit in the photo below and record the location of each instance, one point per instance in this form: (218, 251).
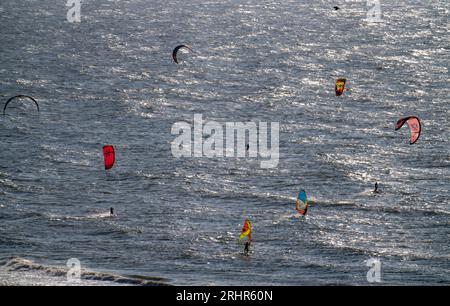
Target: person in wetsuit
(376, 188)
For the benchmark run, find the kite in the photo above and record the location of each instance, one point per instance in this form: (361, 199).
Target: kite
(17, 97)
(175, 51)
(414, 127)
(340, 86)
(108, 156)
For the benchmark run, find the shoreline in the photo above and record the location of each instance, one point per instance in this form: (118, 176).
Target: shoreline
(23, 272)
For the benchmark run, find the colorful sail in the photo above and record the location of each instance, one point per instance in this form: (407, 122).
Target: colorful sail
(246, 230)
(302, 203)
(340, 86)
(108, 156)
(414, 127)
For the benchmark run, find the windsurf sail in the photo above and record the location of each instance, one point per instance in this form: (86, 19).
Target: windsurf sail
(302, 203)
(414, 127)
(18, 97)
(108, 156)
(246, 230)
(340, 86)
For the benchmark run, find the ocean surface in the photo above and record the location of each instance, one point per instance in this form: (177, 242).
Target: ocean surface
(110, 79)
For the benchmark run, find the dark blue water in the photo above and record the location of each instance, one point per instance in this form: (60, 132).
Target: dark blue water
(110, 79)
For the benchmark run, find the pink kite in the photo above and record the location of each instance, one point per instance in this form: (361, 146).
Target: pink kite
(414, 127)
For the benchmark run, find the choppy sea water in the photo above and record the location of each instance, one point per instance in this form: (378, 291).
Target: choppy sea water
(110, 79)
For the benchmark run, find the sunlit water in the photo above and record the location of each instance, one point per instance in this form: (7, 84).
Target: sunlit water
(111, 80)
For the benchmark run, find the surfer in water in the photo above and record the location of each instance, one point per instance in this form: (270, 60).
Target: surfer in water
(111, 211)
(376, 188)
(247, 248)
